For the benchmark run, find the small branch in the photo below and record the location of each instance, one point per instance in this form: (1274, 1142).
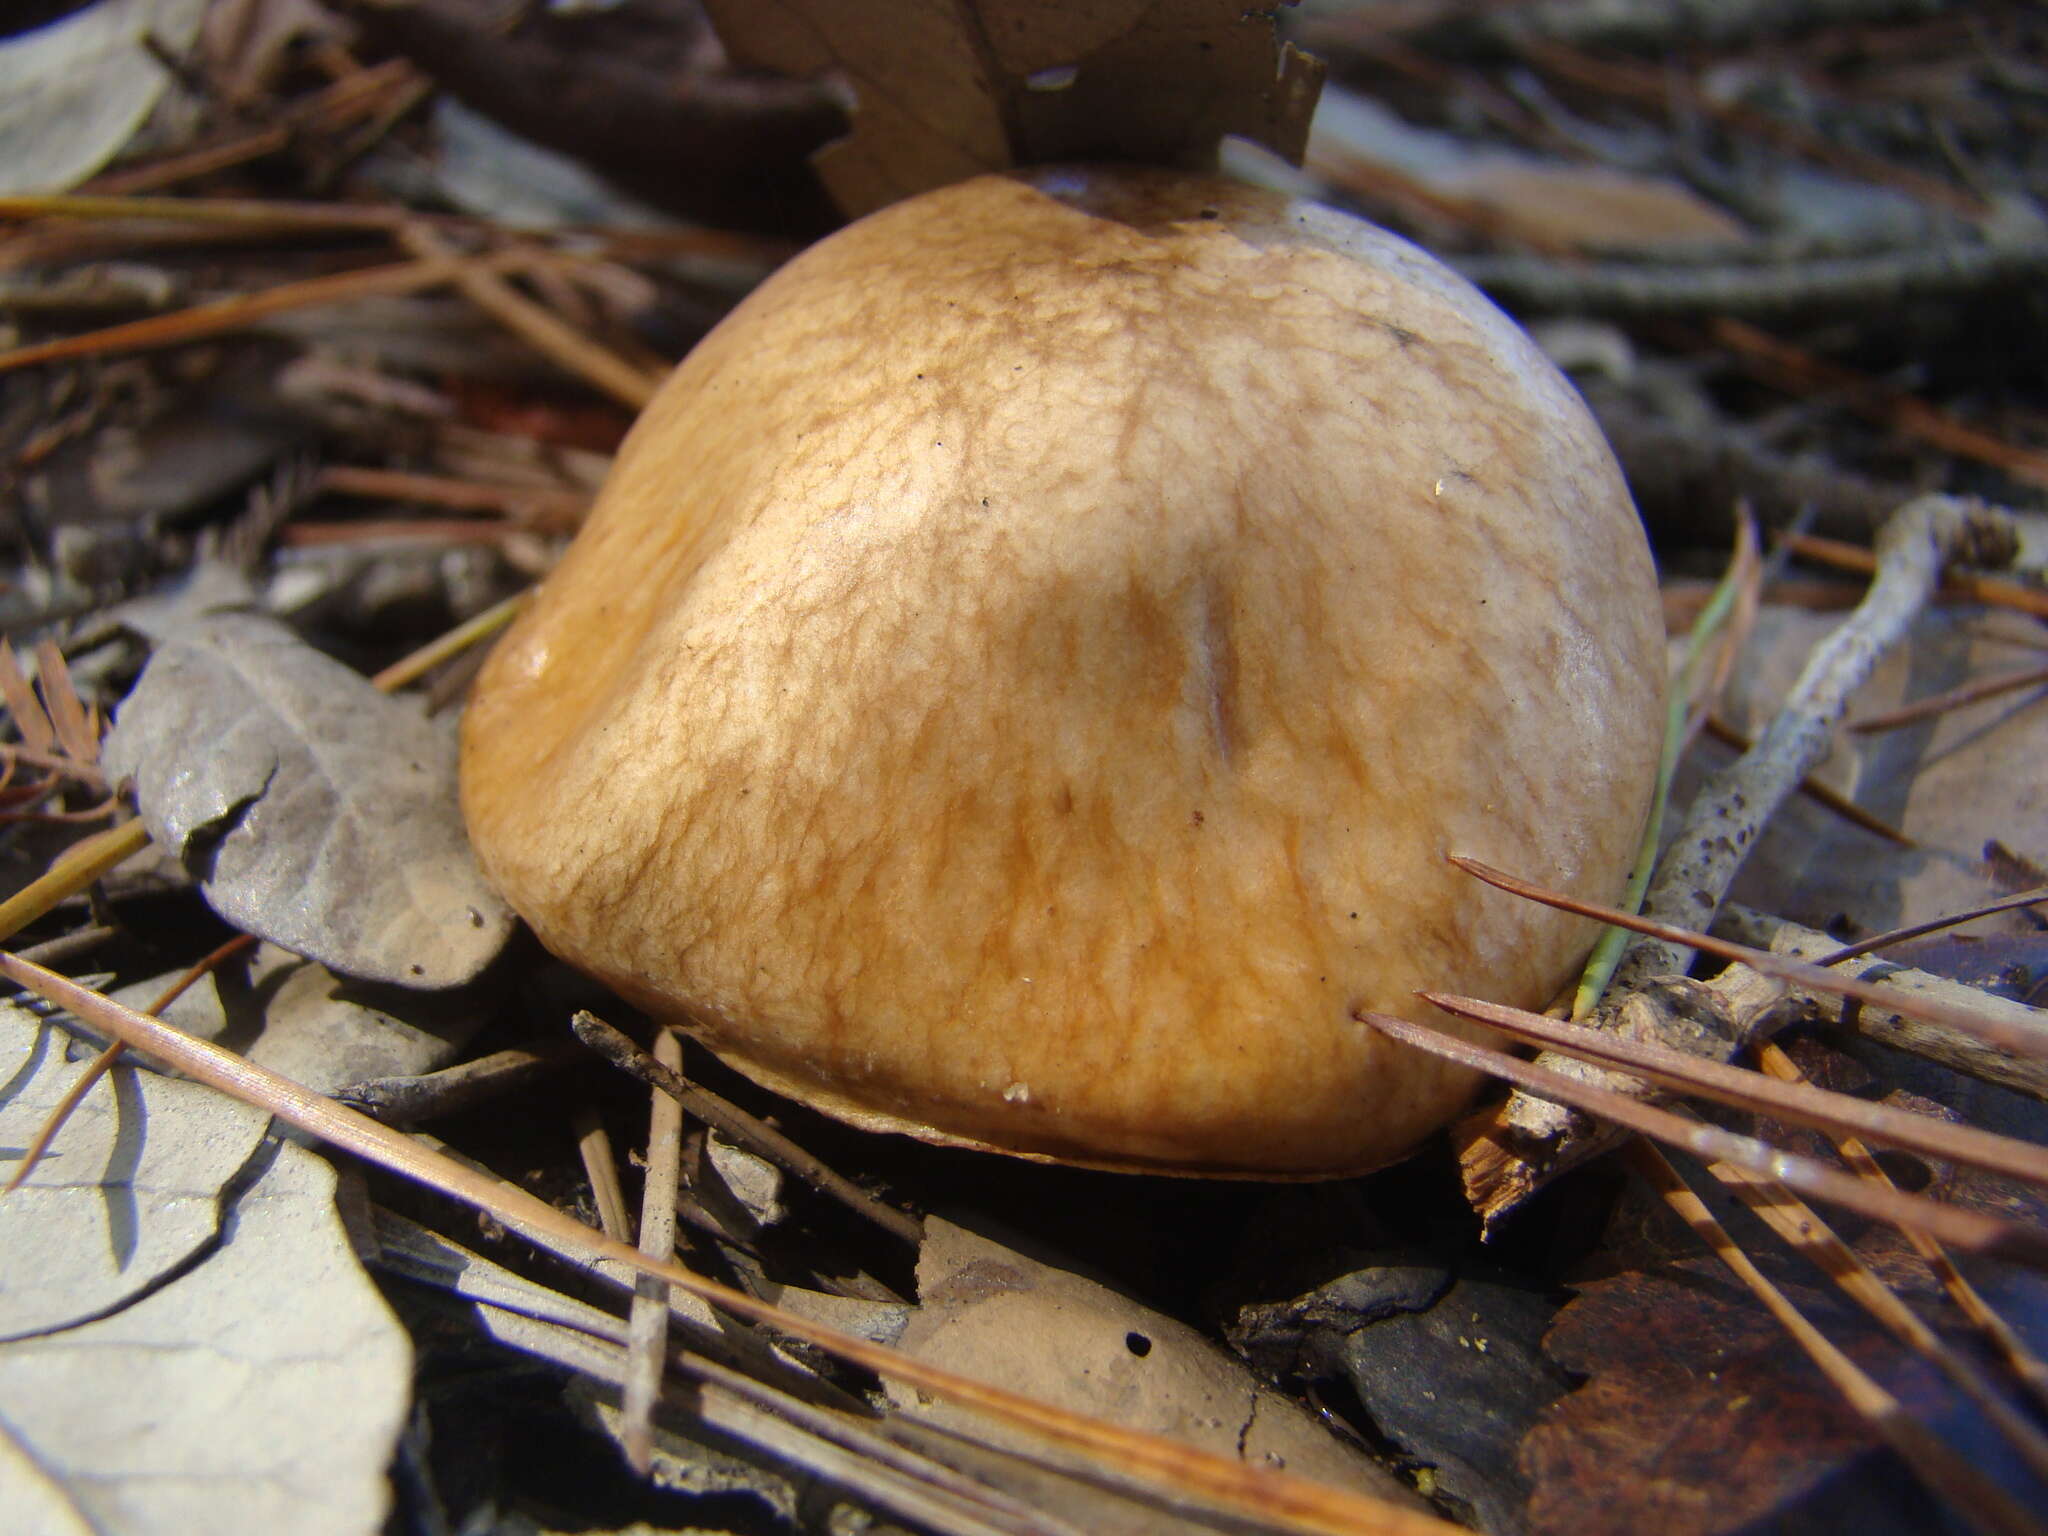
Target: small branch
(721, 1114)
(647, 1328)
(1797, 289)
(1734, 805)
(407, 1100)
(1895, 1027)
(1528, 1140)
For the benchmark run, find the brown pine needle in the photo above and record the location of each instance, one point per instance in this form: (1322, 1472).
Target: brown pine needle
(1794, 1221)
(1992, 591)
(410, 669)
(539, 327)
(1954, 698)
(2024, 1363)
(212, 319)
(2022, 1038)
(257, 213)
(1987, 1506)
(1165, 1467)
(1800, 1103)
(103, 1063)
(1798, 371)
(594, 1147)
(2032, 898)
(1971, 1231)
(548, 509)
(71, 872)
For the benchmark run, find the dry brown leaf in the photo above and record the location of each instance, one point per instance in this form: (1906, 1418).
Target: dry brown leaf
(22, 705)
(995, 1313)
(1952, 783)
(946, 91)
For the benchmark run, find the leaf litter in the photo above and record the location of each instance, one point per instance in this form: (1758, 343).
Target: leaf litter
(189, 1341)
(313, 809)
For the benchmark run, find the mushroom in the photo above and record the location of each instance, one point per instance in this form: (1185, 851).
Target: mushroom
(1023, 675)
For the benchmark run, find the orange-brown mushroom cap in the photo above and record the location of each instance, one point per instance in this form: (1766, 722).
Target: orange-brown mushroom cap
(1026, 669)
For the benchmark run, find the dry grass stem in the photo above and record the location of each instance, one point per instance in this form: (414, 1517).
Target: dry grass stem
(594, 1147)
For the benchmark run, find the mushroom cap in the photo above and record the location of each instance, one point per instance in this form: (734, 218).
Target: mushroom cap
(1023, 675)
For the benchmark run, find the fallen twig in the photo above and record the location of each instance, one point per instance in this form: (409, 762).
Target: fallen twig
(1528, 1139)
(1795, 289)
(1971, 1231)
(647, 1328)
(723, 1115)
(1879, 1019)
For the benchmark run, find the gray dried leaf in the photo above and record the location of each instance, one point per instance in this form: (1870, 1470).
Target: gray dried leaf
(73, 93)
(129, 1192)
(297, 1017)
(259, 1390)
(314, 810)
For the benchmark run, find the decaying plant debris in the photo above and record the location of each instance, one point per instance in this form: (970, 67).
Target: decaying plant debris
(312, 358)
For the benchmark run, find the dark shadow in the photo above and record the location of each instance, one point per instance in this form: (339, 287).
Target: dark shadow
(38, 1053)
(124, 1160)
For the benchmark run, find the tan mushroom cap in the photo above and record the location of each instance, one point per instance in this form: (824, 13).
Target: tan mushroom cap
(1026, 669)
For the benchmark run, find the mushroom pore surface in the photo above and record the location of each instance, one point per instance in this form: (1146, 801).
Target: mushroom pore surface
(1026, 669)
